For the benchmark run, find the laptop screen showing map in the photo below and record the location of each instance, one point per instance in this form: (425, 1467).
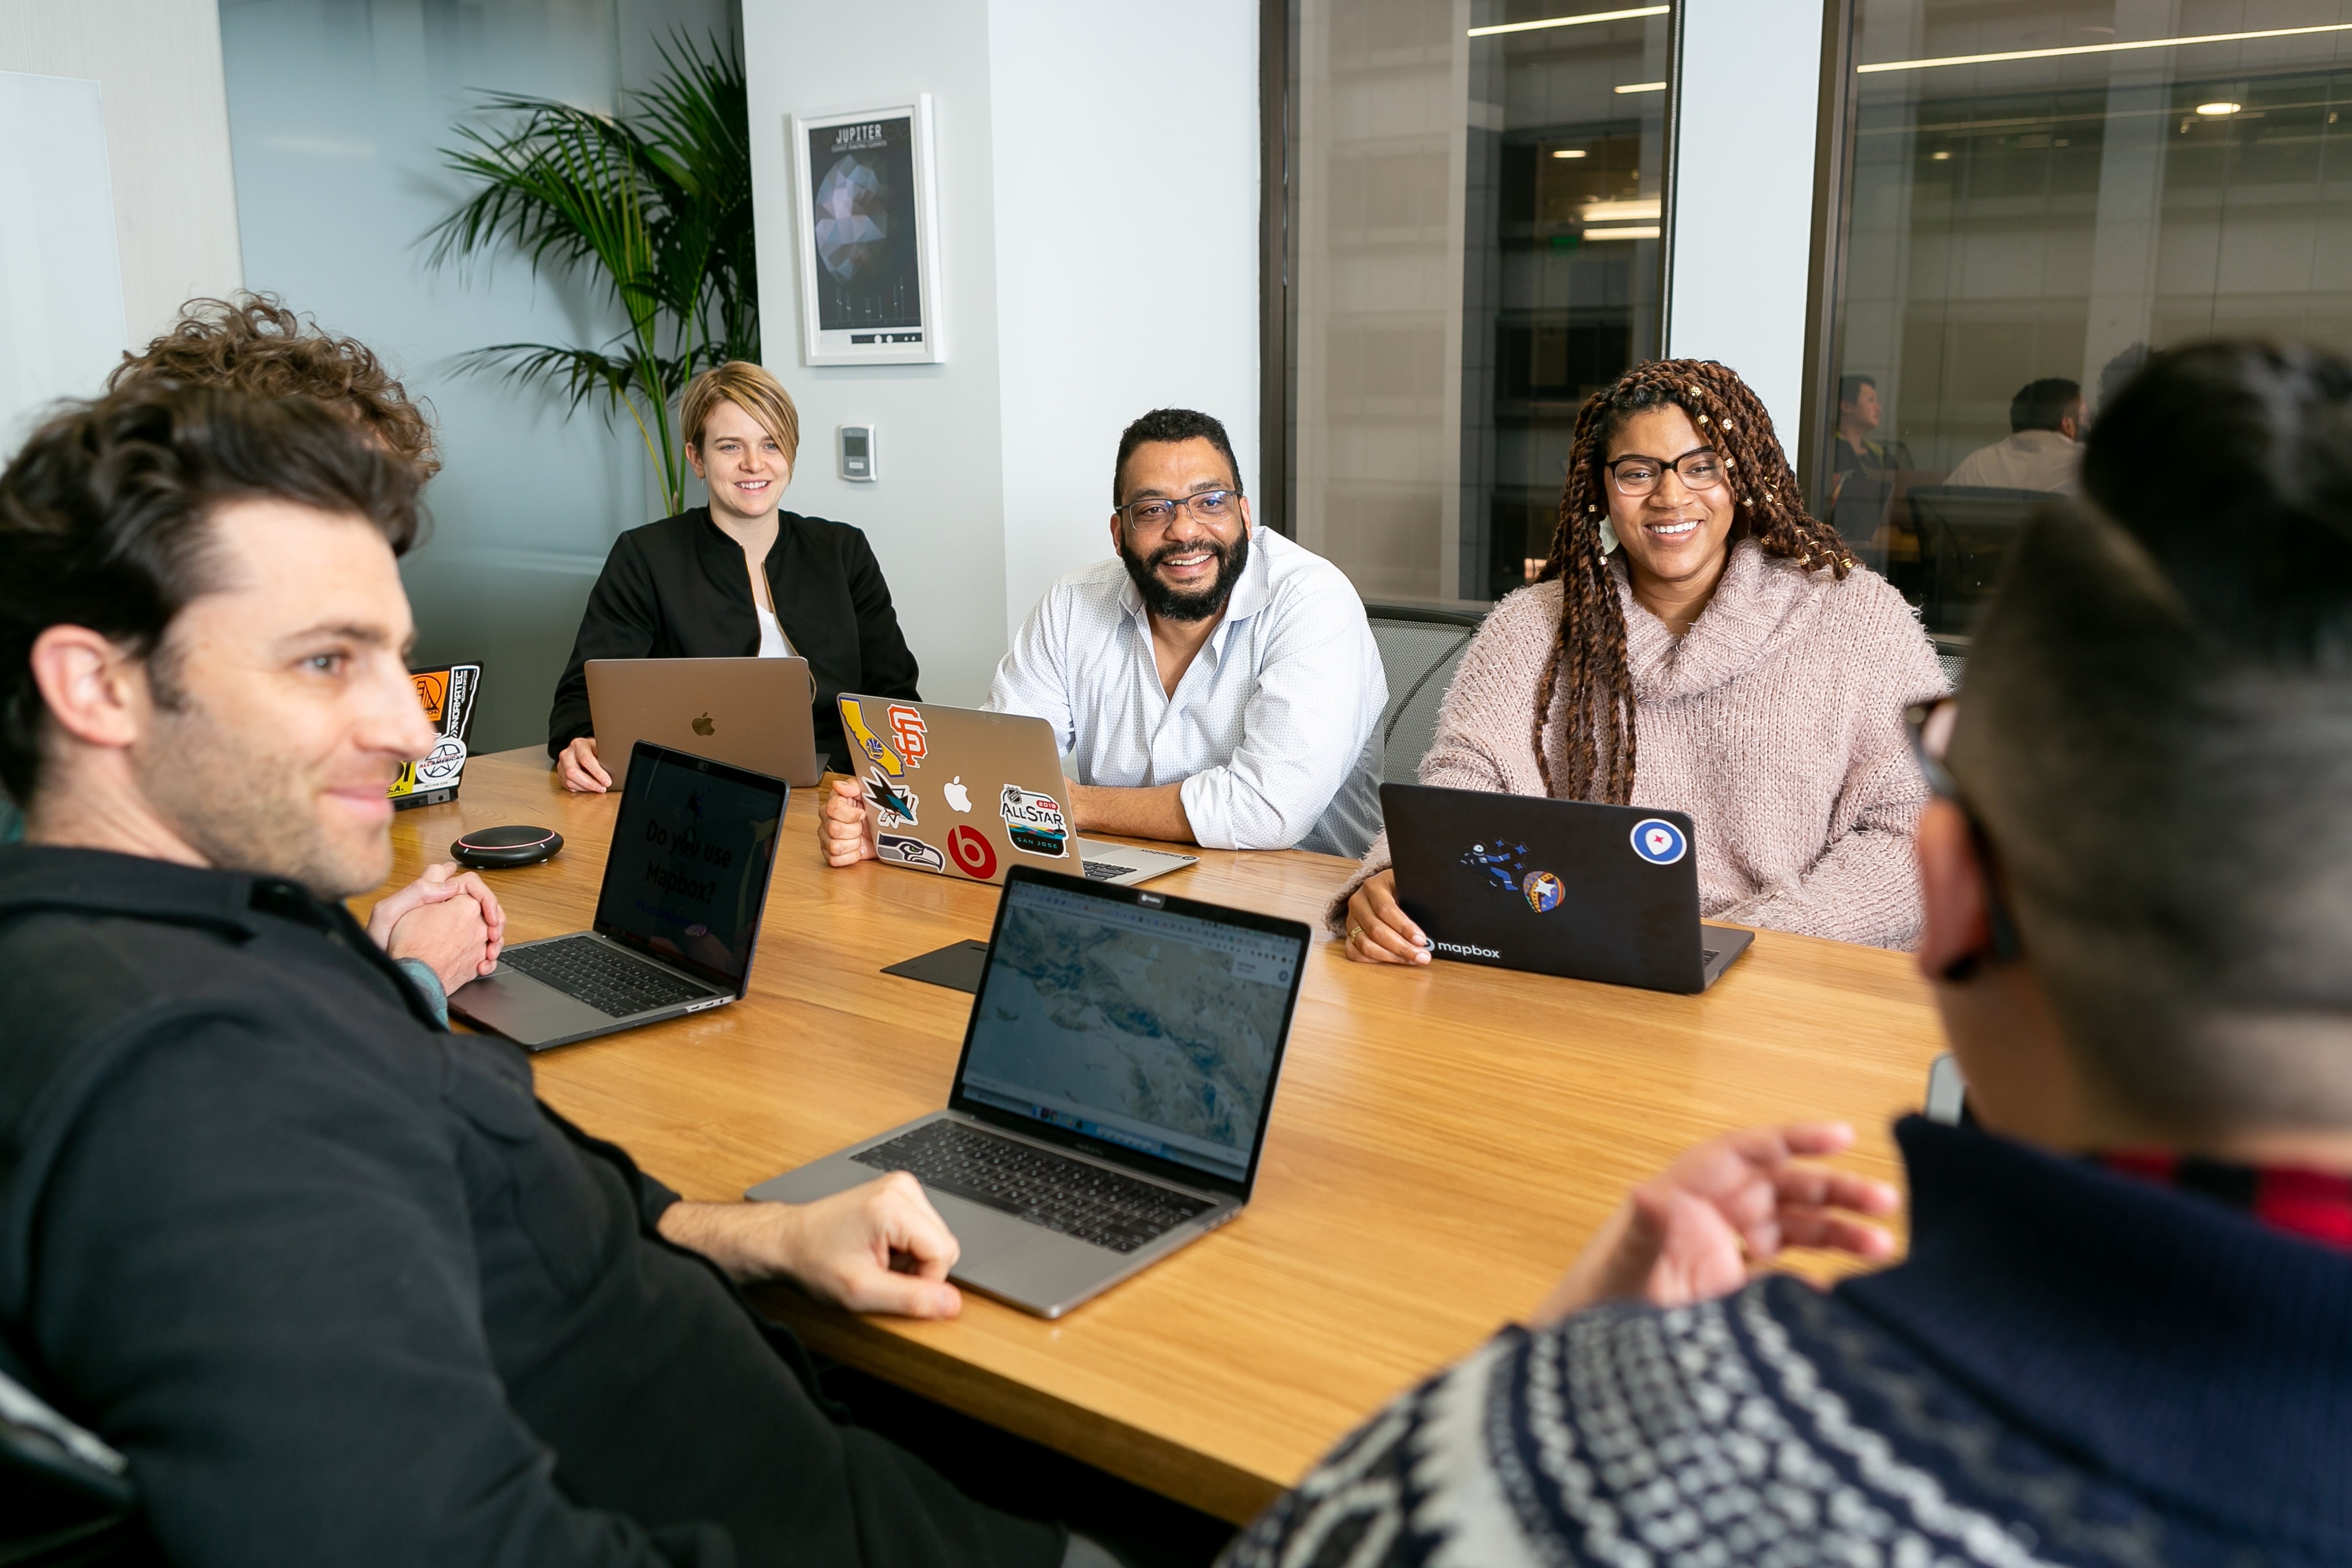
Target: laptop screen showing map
(1139, 1027)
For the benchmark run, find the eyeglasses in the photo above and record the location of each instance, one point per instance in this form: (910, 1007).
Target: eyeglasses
(1931, 725)
(1154, 513)
(1634, 474)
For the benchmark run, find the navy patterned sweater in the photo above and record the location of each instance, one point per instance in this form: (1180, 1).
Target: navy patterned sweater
(2072, 1366)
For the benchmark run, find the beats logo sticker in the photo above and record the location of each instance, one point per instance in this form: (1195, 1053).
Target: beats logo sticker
(974, 855)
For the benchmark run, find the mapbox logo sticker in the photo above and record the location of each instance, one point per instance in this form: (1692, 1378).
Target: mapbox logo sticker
(907, 729)
(1659, 843)
(1033, 822)
(974, 855)
(904, 851)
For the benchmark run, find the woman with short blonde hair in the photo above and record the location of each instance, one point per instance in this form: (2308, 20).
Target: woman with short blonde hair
(735, 578)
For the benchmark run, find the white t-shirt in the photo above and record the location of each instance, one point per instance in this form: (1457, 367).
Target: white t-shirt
(774, 645)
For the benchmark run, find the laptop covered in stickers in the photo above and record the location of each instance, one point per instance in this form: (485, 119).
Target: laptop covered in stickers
(1557, 887)
(958, 792)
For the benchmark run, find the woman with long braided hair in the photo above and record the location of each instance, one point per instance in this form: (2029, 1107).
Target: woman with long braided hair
(1698, 643)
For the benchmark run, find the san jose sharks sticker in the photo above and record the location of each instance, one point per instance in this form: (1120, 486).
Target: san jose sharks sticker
(893, 801)
(1659, 842)
(901, 850)
(1033, 822)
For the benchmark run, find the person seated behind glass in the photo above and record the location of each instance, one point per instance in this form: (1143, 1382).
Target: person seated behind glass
(1860, 413)
(737, 577)
(335, 1283)
(1696, 643)
(2118, 1337)
(1215, 684)
(2046, 420)
(252, 343)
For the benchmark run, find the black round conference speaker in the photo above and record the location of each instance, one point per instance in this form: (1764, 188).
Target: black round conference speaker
(498, 849)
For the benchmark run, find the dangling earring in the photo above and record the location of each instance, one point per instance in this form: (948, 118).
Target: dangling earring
(1608, 538)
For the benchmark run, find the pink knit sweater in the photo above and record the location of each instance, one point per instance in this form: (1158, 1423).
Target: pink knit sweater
(1775, 721)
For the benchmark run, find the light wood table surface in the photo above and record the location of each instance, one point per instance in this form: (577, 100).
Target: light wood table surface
(1442, 1138)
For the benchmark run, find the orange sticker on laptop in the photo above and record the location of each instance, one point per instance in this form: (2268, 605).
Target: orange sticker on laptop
(907, 729)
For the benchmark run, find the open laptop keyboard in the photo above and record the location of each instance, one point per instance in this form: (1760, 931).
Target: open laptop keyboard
(1102, 870)
(614, 983)
(1036, 1185)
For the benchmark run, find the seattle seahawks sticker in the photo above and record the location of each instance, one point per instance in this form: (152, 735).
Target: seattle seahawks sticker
(901, 850)
(1658, 842)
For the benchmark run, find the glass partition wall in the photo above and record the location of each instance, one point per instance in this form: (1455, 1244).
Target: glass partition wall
(1475, 221)
(2039, 194)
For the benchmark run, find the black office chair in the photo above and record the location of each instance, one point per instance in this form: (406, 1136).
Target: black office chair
(1965, 532)
(1419, 649)
(66, 1499)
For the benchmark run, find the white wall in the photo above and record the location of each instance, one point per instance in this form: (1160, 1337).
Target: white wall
(1127, 252)
(1745, 116)
(60, 278)
(1058, 145)
(158, 67)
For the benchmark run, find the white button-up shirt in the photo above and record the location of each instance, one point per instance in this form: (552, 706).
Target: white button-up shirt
(1274, 729)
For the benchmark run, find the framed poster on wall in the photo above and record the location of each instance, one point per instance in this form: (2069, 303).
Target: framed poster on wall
(869, 253)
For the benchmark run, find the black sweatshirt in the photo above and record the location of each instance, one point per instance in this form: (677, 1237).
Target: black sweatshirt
(678, 590)
(345, 1293)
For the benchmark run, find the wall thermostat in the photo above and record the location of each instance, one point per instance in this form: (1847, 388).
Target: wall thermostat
(857, 452)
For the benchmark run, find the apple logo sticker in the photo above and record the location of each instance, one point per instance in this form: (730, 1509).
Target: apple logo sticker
(702, 726)
(959, 797)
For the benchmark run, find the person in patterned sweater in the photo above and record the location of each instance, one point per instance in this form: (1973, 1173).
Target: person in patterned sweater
(2123, 1335)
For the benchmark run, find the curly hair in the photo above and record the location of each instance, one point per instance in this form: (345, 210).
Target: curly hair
(1589, 652)
(253, 344)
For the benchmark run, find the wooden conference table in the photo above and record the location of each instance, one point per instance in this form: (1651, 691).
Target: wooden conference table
(1442, 1139)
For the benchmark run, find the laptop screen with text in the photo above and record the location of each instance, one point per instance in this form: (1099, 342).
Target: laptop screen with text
(688, 874)
(1142, 1027)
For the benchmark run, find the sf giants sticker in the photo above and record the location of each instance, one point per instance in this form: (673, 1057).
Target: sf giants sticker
(1033, 823)
(907, 729)
(895, 801)
(900, 850)
(1659, 843)
(972, 854)
(887, 763)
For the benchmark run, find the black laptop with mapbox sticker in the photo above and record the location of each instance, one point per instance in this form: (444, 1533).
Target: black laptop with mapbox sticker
(1559, 887)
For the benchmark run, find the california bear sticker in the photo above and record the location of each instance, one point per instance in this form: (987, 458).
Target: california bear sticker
(1659, 842)
(900, 850)
(1033, 822)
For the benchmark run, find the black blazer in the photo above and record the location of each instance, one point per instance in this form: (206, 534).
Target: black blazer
(677, 589)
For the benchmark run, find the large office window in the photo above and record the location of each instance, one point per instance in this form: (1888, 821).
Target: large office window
(1474, 230)
(2038, 195)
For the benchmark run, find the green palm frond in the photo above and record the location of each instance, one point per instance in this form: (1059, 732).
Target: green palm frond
(656, 209)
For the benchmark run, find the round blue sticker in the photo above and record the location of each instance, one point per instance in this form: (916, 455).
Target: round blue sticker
(1659, 843)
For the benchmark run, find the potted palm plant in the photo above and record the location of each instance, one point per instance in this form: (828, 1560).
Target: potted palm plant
(654, 205)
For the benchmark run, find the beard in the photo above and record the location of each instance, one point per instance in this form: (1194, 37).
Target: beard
(1169, 604)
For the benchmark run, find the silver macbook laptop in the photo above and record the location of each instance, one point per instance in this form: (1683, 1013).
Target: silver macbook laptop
(694, 846)
(753, 712)
(965, 793)
(1111, 1103)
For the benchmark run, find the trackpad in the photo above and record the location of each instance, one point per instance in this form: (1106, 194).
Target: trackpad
(990, 1239)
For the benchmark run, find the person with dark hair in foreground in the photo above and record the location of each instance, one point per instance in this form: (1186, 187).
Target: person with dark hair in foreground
(335, 1283)
(2046, 422)
(1215, 684)
(2124, 1331)
(1697, 641)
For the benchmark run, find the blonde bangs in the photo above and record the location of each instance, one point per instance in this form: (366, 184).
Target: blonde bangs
(750, 388)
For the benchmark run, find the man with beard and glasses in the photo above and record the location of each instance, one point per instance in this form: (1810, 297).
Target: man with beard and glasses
(1215, 685)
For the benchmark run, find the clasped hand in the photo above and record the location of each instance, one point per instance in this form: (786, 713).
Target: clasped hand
(448, 918)
(1692, 1233)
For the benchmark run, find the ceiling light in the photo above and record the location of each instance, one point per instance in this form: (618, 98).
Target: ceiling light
(2096, 48)
(1567, 152)
(1620, 212)
(1591, 234)
(1641, 87)
(1570, 21)
(1938, 157)
(2219, 106)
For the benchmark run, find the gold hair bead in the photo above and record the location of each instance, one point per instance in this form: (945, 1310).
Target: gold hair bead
(1702, 419)
(1805, 560)
(1849, 563)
